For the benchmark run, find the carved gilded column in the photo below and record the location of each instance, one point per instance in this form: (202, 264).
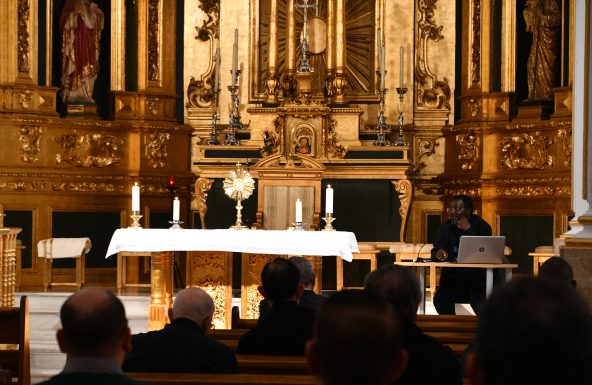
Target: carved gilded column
(288, 82)
(340, 80)
(117, 45)
(271, 79)
(8, 265)
(161, 289)
(330, 52)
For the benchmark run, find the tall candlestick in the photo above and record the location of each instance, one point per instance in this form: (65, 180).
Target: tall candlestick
(176, 208)
(135, 197)
(217, 73)
(298, 211)
(234, 57)
(401, 67)
(329, 200)
(380, 49)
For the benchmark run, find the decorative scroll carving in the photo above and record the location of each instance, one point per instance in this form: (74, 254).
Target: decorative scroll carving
(202, 186)
(29, 142)
(476, 48)
(469, 150)
(200, 93)
(474, 105)
(86, 187)
(22, 186)
(405, 190)
(89, 150)
(154, 105)
(523, 151)
(156, 148)
(272, 140)
(24, 99)
(423, 147)
(208, 271)
(217, 290)
(333, 147)
(565, 135)
(470, 187)
(431, 92)
(23, 36)
(534, 187)
(153, 40)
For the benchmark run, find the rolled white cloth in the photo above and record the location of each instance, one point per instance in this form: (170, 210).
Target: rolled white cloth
(63, 247)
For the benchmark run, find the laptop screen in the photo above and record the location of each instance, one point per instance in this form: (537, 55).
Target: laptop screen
(481, 249)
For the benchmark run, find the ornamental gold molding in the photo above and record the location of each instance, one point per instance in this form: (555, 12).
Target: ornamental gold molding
(29, 137)
(333, 147)
(431, 92)
(200, 93)
(202, 187)
(405, 189)
(469, 150)
(565, 135)
(86, 187)
(23, 36)
(153, 40)
(457, 186)
(424, 147)
(524, 151)
(89, 150)
(156, 148)
(534, 191)
(22, 186)
(476, 46)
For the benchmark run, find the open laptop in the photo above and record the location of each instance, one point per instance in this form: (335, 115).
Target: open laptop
(481, 249)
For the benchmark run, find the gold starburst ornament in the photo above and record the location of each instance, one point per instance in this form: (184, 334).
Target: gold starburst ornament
(239, 185)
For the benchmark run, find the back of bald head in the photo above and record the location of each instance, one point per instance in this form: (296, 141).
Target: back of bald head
(93, 321)
(193, 303)
(558, 270)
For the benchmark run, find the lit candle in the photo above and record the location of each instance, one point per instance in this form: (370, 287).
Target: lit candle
(234, 57)
(217, 73)
(135, 197)
(176, 207)
(401, 67)
(380, 58)
(329, 200)
(298, 211)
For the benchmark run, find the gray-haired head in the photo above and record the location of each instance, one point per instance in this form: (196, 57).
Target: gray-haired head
(307, 275)
(195, 304)
(399, 286)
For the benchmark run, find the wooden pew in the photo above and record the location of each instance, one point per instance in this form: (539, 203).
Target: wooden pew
(295, 365)
(222, 379)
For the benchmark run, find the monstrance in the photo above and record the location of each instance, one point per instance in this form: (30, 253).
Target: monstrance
(239, 185)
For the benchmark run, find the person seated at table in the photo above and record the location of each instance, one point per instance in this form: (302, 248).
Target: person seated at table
(287, 326)
(430, 362)
(557, 269)
(357, 341)
(182, 346)
(308, 298)
(459, 285)
(532, 331)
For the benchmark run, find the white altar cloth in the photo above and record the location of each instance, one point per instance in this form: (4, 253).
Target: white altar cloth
(320, 243)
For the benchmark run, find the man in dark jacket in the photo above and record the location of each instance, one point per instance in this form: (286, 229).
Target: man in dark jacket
(430, 362)
(287, 326)
(458, 285)
(182, 346)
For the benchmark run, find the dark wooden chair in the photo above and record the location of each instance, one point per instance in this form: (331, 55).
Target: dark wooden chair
(14, 342)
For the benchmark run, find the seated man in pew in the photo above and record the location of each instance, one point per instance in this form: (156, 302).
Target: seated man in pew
(95, 337)
(357, 341)
(430, 362)
(532, 331)
(287, 326)
(308, 298)
(182, 346)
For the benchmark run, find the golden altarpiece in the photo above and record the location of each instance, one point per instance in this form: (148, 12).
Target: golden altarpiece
(163, 109)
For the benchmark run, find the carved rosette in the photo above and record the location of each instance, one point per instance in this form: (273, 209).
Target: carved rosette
(405, 189)
(200, 93)
(153, 40)
(23, 36)
(202, 187)
(424, 147)
(524, 151)
(469, 150)
(476, 47)
(564, 134)
(156, 148)
(333, 147)
(29, 137)
(431, 92)
(89, 150)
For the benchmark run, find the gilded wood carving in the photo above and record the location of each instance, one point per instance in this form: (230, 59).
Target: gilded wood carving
(252, 266)
(23, 36)
(29, 143)
(469, 150)
(153, 40)
(202, 187)
(156, 148)
(333, 147)
(89, 150)
(564, 134)
(405, 190)
(524, 151)
(272, 139)
(476, 47)
(424, 147)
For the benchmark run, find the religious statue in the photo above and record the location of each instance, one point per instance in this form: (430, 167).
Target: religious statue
(81, 24)
(543, 19)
